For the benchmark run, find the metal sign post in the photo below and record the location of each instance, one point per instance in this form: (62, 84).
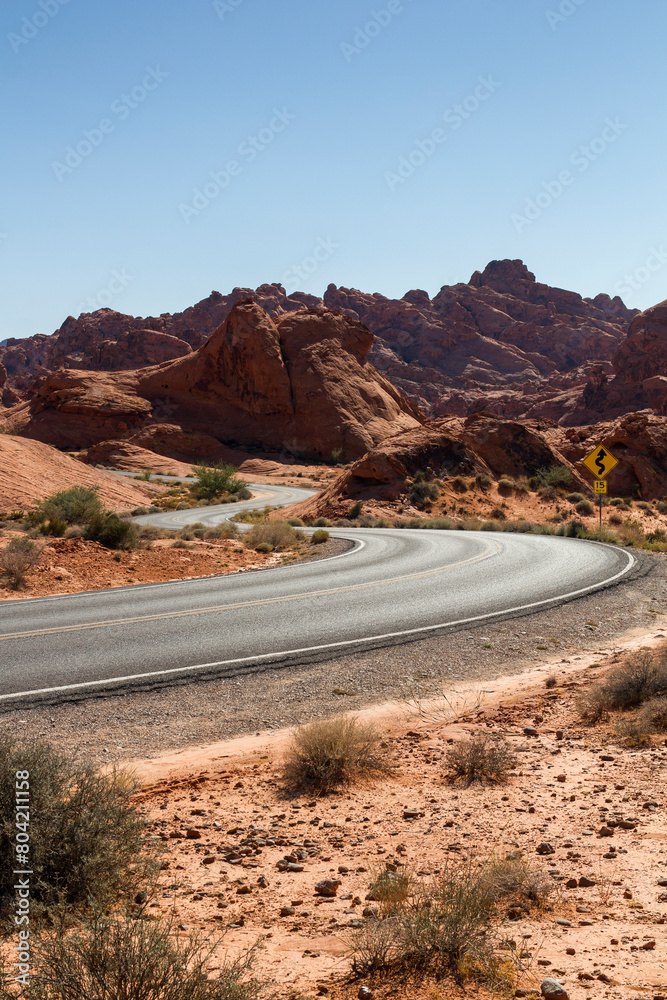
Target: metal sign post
(600, 462)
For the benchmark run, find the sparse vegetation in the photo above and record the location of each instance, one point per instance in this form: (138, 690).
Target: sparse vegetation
(76, 505)
(421, 492)
(319, 537)
(86, 839)
(333, 753)
(483, 757)
(215, 480)
(278, 534)
(585, 507)
(558, 476)
(640, 678)
(18, 557)
(123, 958)
(111, 531)
(443, 927)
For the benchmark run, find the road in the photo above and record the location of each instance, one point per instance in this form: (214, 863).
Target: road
(393, 586)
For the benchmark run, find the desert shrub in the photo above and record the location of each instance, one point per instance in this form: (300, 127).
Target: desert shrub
(631, 532)
(86, 837)
(111, 531)
(278, 534)
(506, 485)
(332, 753)
(557, 476)
(148, 533)
(264, 548)
(547, 492)
(633, 732)
(295, 522)
(124, 958)
(322, 522)
(319, 536)
(490, 526)
(214, 480)
(76, 505)
(342, 522)
(641, 677)
(391, 889)
(55, 527)
(482, 757)
(18, 557)
(575, 497)
(483, 480)
(551, 682)
(180, 543)
(459, 485)
(420, 492)
(443, 928)
(656, 536)
(227, 530)
(515, 878)
(355, 510)
(584, 507)
(661, 505)
(644, 505)
(615, 518)
(140, 511)
(653, 715)
(498, 514)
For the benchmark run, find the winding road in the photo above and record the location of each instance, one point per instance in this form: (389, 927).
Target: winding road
(393, 586)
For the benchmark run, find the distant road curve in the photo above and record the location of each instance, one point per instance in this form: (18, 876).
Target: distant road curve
(393, 586)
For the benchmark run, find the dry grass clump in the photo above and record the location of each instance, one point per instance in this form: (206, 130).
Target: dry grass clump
(85, 835)
(515, 879)
(442, 928)
(653, 715)
(18, 557)
(391, 889)
(125, 958)
(334, 753)
(641, 677)
(482, 757)
(278, 534)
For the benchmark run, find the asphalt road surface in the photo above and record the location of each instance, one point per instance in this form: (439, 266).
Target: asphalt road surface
(393, 586)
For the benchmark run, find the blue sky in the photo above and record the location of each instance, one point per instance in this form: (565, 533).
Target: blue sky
(155, 151)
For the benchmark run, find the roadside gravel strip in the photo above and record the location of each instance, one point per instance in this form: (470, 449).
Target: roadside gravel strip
(117, 726)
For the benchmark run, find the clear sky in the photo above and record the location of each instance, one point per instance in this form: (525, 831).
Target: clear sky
(154, 150)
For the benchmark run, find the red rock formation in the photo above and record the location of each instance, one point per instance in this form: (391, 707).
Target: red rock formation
(501, 342)
(301, 384)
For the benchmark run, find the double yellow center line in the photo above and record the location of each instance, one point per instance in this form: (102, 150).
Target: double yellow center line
(490, 549)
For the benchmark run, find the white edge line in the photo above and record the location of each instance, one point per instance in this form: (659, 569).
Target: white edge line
(329, 645)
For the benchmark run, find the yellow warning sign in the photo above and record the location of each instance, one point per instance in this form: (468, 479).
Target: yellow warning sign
(599, 486)
(600, 462)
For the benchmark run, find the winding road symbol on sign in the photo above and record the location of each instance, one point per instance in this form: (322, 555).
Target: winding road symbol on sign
(600, 462)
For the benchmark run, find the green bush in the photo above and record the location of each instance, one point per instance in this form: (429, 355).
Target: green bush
(264, 548)
(86, 837)
(420, 492)
(214, 480)
(54, 527)
(112, 532)
(319, 536)
(355, 510)
(506, 485)
(558, 476)
(459, 485)
(18, 557)
(120, 957)
(575, 497)
(483, 480)
(76, 505)
(584, 507)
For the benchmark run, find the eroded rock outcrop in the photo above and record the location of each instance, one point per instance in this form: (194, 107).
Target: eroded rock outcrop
(300, 383)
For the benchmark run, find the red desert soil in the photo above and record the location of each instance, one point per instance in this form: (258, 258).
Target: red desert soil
(226, 828)
(72, 565)
(30, 471)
